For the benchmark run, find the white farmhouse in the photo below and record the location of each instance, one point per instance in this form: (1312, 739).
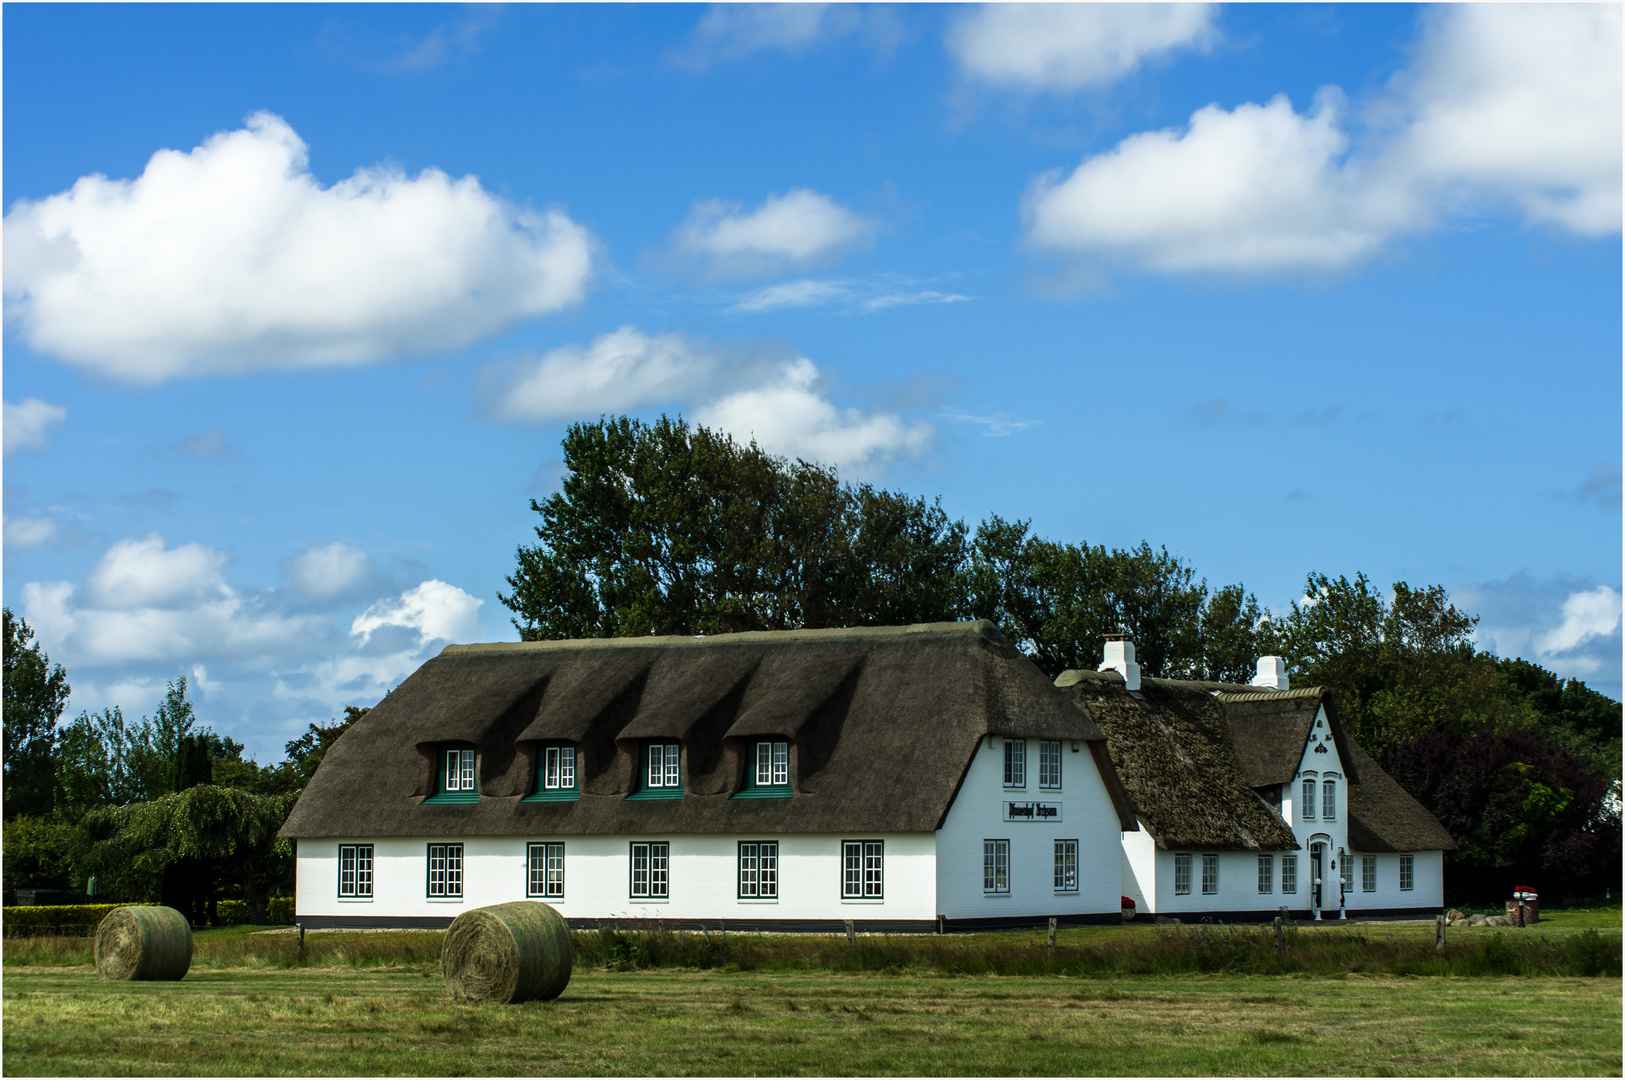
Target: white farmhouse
(1252, 799)
(901, 778)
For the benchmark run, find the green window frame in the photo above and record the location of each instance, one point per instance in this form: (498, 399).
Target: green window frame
(455, 774)
(660, 773)
(1289, 874)
(1066, 866)
(1407, 873)
(557, 777)
(767, 771)
(445, 872)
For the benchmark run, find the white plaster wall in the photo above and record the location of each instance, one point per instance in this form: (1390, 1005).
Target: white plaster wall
(597, 878)
(1140, 870)
(1319, 764)
(1087, 816)
(1429, 883)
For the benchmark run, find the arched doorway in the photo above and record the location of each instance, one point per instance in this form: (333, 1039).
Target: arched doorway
(1319, 848)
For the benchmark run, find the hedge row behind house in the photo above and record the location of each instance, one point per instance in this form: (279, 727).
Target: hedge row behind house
(82, 919)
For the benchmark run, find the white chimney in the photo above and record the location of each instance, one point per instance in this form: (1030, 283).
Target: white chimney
(1120, 658)
(1271, 673)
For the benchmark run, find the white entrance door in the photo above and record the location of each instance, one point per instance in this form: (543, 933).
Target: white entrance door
(1317, 875)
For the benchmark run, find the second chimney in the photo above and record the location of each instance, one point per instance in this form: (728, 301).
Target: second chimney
(1271, 673)
(1120, 658)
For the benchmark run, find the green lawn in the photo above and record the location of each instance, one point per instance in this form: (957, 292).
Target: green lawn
(344, 1020)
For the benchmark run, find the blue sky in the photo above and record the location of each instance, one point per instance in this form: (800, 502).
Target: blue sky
(300, 300)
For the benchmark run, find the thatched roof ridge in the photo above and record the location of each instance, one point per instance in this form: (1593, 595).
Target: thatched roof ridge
(1172, 749)
(883, 723)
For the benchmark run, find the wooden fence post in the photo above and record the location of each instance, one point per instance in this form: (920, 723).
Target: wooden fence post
(1438, 936)
(1052, 937)
(851, 933)
(299, 928)
(1280, 937)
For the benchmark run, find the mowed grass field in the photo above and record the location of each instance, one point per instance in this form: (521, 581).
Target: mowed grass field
(378, 1007)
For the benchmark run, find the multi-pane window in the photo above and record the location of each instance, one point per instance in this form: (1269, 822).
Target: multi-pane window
(1289, 873)
(1308, 798)
(759, 870)
(1182, 874)
(459, 770)
(772, 763)
(1066, 866)
(559, 768)
(1347, 874)
(651, 868)
(1049, 764)
(355, 870)
(661, 771)
(861, 868)
(1368, 873)
(446, 870)
(1407, 873)
(996, 866)
(544, 870)
(1266, 873)
(1210, 875)
(1015, 763)
(1328, 800)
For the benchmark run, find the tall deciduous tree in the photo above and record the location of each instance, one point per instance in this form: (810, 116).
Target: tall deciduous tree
(36, 692)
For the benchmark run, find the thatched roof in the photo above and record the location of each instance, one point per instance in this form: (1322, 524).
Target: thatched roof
(883, 723)
(1172, 748)
(1191, 754)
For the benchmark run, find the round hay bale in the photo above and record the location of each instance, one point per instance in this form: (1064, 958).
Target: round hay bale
(508, 953)
(147, 943)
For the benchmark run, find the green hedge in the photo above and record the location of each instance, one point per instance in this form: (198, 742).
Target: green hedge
(278, 911)
(55, 918)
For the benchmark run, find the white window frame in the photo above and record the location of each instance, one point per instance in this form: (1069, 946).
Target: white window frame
(650, 870)
(1066, 866)
(1307, 811)
(559, 769)
(544, 870)
(772, 763)
(459, 770)
(355, 871)
(1049, 765)
(1015, 763)
(1289, 875)
(863, 869)
(445, 872)
(1210, 875)
(1266, 874)
(665, 772)
(1182, 873)
(1345, 872)
(1407, 873)
(1328, 799)
(996, 867)
(758, 870)
(1368, 873)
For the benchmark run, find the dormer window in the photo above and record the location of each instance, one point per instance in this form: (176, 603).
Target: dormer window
(767, 770)
(659, 771)
(555, 774)
(454, 780)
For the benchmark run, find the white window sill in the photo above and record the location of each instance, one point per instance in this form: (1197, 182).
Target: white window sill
(994, 895)
(1066, 892)
(544, 899)
(651, 899)
(355, 899)
(863, 900)
(758, 900)
(444, 899)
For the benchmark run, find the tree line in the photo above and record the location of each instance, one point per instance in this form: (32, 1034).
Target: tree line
(667, 528)
(157, 809)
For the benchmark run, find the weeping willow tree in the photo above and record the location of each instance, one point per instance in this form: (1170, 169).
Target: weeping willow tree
(178, 848)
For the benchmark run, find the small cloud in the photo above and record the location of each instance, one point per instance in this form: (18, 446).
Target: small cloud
(448, 42)
(1590, 614)
(792, 294)
(435, 610)
(998, 424)
(28, 422)
(1219, 411)
(209, 444)
(1601, 488)
(863, 296)
(797, 229)
(880, 303)
(331, 571)
(733, 31)
(29, 532)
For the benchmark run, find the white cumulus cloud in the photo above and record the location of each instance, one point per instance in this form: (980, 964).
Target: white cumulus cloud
(1062, 47)
(435, 610)
(29, 532)
(1593, 613)
(799, 228)
(788, 416)
(331, 570)
(233, 257)
(616, 372)
(1504, 105)
(28, 423)
(144, 573)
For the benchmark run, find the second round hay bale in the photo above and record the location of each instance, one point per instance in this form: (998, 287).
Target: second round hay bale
(508, 953)
(143, 943)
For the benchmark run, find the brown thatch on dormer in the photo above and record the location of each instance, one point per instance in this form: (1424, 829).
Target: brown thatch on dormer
(1172, 749)
(883, 723)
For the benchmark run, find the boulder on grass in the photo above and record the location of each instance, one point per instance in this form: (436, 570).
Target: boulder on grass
(1477, 919)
